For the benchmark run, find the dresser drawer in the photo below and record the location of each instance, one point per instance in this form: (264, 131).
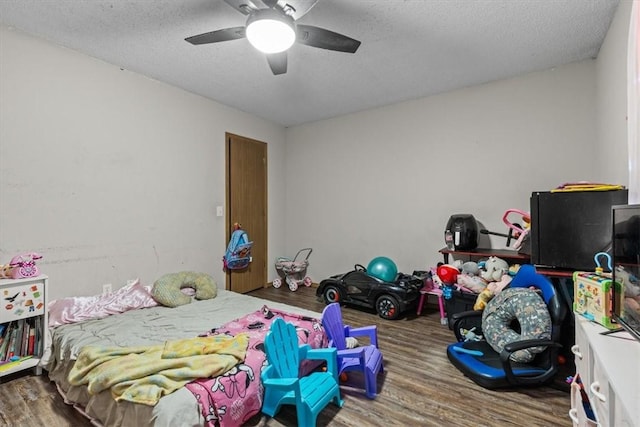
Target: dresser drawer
(599, 394)
(19, 301)
(578, 413)
(582, 355)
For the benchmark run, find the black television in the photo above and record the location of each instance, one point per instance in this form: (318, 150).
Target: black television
(625, 250)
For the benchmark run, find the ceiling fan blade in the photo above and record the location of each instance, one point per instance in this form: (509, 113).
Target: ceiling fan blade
(224, 35)
(278, 62)
(325, 39)
(243, 6)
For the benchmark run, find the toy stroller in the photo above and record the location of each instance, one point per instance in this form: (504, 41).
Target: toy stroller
(293, 270)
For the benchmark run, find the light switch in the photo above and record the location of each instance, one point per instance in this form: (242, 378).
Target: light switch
(219, 211)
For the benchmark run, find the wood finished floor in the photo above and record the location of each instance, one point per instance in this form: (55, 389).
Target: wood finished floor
(419, 387)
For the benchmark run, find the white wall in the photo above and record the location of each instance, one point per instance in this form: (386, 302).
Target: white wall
(611, 86)
(111, 175)
(385, 181)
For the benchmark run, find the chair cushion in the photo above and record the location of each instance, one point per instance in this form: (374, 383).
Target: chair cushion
(525, 306)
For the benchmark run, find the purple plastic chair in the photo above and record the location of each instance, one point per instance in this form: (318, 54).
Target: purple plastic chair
(366, 358)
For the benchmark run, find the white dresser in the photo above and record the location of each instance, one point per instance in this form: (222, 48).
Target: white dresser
(609, 368)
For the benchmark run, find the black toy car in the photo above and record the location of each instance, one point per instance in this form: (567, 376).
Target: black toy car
(359, 288)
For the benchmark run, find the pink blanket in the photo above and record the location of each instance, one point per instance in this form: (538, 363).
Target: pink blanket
(231, 399)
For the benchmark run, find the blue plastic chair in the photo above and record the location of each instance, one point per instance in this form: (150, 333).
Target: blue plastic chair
(282, 384)
(367, 358)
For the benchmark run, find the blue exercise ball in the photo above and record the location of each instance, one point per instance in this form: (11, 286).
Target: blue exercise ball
(383, 268)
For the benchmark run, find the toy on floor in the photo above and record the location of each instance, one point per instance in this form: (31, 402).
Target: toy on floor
(293, 270)
(360, 288)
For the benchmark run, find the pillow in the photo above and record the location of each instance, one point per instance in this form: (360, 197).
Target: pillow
(525, 306)
(78, 309)
(166, 290)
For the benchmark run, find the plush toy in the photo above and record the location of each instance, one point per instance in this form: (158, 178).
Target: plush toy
(469, 277)
(470, 335)
(473, 283)
(513, 269)
(491, 291)
(494, 269)
(471, 268)
(5, 271)
(447, 273)
(435, 278)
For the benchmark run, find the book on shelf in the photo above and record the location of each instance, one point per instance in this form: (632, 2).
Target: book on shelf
(13, 339)
(31, 340)
(4, 344)
(38, 346)
(24, 339)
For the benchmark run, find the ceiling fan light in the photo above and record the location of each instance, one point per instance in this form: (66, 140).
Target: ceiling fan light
(270, 32)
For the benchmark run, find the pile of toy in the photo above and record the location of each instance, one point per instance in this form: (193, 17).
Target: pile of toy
(485, 278)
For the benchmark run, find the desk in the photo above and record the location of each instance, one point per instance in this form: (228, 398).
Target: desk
(505, 254)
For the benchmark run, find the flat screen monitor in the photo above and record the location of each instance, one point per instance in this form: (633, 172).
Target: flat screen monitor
(626, 263)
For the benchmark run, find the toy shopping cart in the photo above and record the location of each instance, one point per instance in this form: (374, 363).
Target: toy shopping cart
(293, 270)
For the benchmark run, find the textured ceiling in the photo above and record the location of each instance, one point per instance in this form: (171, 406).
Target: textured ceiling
(410, 49)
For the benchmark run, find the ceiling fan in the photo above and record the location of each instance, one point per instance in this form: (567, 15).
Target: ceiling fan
(271, 28)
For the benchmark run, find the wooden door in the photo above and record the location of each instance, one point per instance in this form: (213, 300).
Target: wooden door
(247, 204)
